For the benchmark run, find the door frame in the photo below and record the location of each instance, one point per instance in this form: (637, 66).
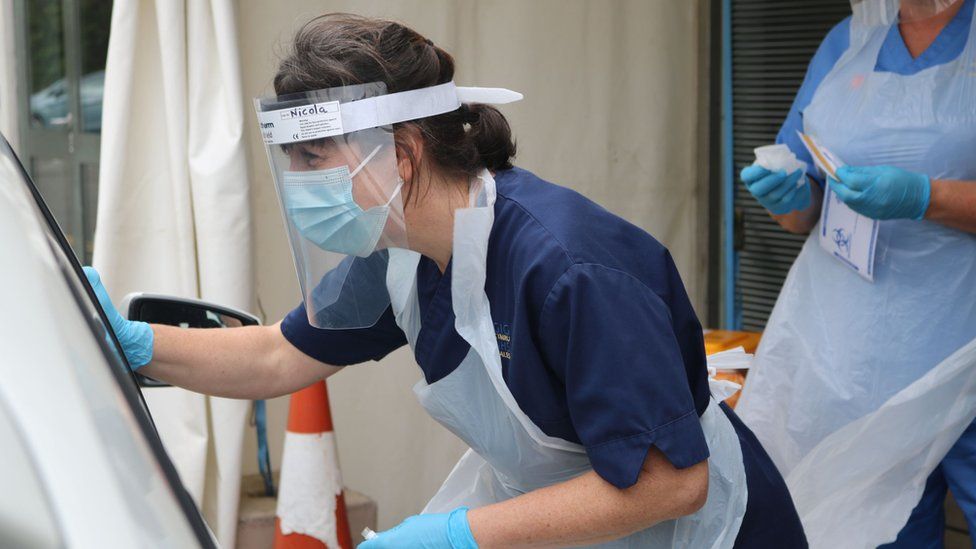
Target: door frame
(722, 257)
(69, 143)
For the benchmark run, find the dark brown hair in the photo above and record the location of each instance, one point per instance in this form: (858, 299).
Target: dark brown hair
(340, 49)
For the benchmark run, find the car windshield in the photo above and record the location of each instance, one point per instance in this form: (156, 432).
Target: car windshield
(124, 425)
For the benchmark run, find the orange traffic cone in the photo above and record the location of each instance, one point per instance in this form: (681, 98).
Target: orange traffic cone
(311, 509)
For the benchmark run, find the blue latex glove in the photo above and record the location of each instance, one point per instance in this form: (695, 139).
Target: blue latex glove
(776, 191)
(136, 337)
(883, 192)
(435, 531)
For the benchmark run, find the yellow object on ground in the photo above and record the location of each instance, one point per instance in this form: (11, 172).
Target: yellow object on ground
(722, 340)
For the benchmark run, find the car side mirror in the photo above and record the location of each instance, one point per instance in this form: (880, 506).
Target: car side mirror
(183, 313)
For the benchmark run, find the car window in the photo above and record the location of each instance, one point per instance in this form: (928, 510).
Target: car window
(26, 520)
(104, 381)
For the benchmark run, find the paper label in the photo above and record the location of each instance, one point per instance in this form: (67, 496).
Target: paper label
(301, 123)
(845, 234)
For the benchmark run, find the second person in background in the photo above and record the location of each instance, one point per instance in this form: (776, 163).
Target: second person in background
(896, 100)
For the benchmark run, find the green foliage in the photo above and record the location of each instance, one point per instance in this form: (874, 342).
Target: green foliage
(96, 17)
(45, 21)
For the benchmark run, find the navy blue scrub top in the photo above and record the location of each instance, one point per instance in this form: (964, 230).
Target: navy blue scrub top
(598, 341)
(894, 57)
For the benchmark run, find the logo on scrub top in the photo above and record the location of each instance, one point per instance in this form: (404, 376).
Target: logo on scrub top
(503, 333)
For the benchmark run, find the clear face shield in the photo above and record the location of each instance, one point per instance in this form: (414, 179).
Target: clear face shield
(334, 165)
(872, 13)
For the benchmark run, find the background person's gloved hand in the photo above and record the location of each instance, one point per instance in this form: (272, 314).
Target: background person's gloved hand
(883, 192)
(777, 191)
(434, 531)
(136, 337)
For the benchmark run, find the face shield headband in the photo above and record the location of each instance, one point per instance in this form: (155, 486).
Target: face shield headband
(331, 118)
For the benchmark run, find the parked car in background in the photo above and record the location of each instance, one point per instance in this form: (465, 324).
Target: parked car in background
(49, 106)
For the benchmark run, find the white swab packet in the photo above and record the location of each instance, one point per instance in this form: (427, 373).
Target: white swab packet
(780, 157)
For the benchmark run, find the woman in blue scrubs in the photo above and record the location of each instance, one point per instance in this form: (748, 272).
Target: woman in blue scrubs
(896, 101)
(555, 338)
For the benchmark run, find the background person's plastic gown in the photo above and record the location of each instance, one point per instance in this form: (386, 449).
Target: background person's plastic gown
(837, 348)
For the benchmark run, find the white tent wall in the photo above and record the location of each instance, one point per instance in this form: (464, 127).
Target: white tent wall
(613, 95)
(174, 211)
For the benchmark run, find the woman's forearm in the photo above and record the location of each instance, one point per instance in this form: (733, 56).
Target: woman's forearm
(803, 221)
(953, 204)
(588, 510)
(253, 362)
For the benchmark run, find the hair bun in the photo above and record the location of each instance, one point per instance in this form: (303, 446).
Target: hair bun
(469, 116)
(491, 136)
(341, 49)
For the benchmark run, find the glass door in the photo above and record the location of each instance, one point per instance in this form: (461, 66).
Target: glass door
(62, 46)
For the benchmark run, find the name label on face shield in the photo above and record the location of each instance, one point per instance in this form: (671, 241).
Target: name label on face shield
(301, 123)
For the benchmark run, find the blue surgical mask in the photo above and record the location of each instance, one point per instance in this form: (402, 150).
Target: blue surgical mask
(321, 206)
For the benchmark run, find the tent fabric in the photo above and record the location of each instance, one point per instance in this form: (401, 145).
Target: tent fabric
(174, 210)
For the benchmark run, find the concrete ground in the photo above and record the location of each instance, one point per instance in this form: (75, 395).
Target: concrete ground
(256, 516)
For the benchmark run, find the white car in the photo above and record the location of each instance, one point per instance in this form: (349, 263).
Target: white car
(81, 464)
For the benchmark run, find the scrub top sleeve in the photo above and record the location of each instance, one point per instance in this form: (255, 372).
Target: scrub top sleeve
(610, 339)
(343, 347)
(833, 46)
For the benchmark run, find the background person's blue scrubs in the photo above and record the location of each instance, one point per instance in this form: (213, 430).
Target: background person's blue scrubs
(599, 343)
(926, 526)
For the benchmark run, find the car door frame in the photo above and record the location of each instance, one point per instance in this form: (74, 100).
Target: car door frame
(121, 372)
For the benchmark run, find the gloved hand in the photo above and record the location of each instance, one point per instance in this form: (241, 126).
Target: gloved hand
(776, 191)
(883, 192)
(136, 337)
(435, 531)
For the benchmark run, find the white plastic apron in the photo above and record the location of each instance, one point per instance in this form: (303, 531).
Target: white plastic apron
(838, 348)
(509, 454)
